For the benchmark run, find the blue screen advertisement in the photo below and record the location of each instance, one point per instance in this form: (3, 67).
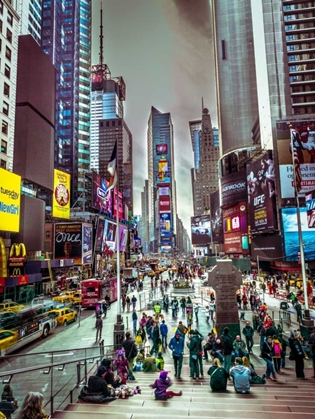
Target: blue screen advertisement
(291, 238)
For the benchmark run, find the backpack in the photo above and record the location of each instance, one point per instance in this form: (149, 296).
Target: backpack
(276, 349)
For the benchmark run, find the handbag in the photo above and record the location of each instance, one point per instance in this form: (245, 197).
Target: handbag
(138, 339)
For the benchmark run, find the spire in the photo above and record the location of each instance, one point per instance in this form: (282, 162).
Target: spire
(202, 104)
(101, 37)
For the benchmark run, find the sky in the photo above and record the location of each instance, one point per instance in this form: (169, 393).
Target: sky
(163, 51)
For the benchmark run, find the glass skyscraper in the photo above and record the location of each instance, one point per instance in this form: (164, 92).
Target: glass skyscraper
(66, 38)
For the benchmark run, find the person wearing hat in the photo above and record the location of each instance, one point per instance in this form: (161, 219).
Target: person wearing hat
(109, 374)
(161, 385)
(97, 383)
(176, 345)
(194, 348)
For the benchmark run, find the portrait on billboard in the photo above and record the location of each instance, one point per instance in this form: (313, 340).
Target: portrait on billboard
(201, 230)
(291, 237)
(261, 193)
(102, 199)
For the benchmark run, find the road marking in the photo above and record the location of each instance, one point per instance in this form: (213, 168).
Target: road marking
(70, 353)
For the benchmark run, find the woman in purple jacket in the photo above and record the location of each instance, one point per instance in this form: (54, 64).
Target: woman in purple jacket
(161, 385)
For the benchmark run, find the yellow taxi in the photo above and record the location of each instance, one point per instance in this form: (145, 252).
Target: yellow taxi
(63, 315)
(11, 306)
(7, 339)
(76, 298)
(62, 300)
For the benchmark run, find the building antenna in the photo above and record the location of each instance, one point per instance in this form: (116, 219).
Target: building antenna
(101, 37)
(202, 104)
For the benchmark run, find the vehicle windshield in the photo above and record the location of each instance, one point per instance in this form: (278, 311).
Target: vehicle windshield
(53, 314)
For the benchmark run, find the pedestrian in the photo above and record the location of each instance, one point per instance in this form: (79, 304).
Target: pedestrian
(297, 354)
(121, 365)
(211, 309)
(194, 347)
(174, 306)
(128, 302)
(266, 354)
(200, 353)
(130, 348)
(161, 385)
(248, 333)
(134, 321)
(241, 377)
(104, 308)
(196, 310)
(227, 349)
(99, 327)
(176, 345)
(157, 310)
(218, 376)
(156, 338)
(134, 302)
(182, 303)
(164, 331)
(276, 354)
(298, 309)
(32, 407)
(8, 403)
(166, 303)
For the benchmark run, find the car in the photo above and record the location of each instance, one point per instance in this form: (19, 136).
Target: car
(10, 306)
(7, 339)
(200, 230)
(63, 315)
(8, 319)
(62, 300)
(76, 298)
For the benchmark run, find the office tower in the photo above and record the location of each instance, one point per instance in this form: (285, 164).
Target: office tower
(206, 155)
(161, 182)
(31, 18)
(66, 38)
(8, 73)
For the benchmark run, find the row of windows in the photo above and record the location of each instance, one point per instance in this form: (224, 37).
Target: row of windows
(9, 15)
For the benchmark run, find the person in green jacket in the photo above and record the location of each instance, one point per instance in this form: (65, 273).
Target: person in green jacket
(218, 376)
(149, 364)
(194, 347)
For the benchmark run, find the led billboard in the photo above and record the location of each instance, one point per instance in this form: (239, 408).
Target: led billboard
(161, 149)
(233, 188)
(61, 195)
(165, 228)
(235, 229)
(87, 234)
(310, 209)
(266, 247)
(261, 194)
(291, 237)
(164, 203)
(10, 201)
(101, 200)
(68, 242)
(216, 218)
(201, 230)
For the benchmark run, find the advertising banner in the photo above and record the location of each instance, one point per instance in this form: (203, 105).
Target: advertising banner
(99, 236)
(104, 235)
(164, 191)
(291, 238)
(164, 203)
(61, 195)
(303, 139)
(165, 222)
(10, 201)
(161, 149)
(261, 194)
(201, 230)
(233, 188)
(87, 233)
(101, 200)
(235, 229)
(68, 242)
(111, 235)
(120, 204)
(266, 247)
(123, 237)
(310, 209)
(216, 218)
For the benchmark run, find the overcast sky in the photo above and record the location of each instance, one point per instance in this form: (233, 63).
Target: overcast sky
(163, 50)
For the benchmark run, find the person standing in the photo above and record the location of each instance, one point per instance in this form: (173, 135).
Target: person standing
(266, 354)
(248, 333)
(211, 309)
(164, 331)
(130, 349)
(196, 310)
(157, 310)
(156, 338)
(128, 302)
(298, 355)
(193, 346)
(134, 321)
(133, 301)
(176, 345)
(99, 327)
(183, 304)
(298, 309)
(227, 344)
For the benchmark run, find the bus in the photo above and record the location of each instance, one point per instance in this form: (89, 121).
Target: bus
(30, 324)
(92, 292)
(110, 288)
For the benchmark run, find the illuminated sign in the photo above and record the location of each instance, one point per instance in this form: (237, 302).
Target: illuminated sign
(310, 208)
(10, 201)
(161, 149)
(61, 195)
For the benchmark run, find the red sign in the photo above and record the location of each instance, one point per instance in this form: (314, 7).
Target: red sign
(22, 280)
(164, 203)
(2, 281)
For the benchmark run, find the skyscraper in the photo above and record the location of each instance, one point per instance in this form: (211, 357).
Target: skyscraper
(31, 18)
(66, 38)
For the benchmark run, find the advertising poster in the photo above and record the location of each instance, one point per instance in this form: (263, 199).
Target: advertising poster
(161, 149)
(235, 229)
(216, 218)
(291, 237)
(303, 139)
(165, 228)
(310, 209)
(104, 235)
(166, 249)
(111, 235)
(10, 201)
(261, 194)
(101, 201)
(99, 235)
(120, 204)
(164, 203)
(61, 195)
(68, 242)
(201, 230)
(87, 233)
(266, 247)
(233, 188)
(123, 236)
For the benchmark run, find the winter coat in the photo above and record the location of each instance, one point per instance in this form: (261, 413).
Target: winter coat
(160, 386)
(177, 346)
(218, 378)
(241, 376)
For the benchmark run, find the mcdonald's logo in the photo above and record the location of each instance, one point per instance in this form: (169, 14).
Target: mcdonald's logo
(16, 272)
(18, 251)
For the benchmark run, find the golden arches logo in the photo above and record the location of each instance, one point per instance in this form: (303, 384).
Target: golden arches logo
(18, 250)
(16, 272)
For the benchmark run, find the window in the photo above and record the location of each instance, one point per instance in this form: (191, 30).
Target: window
(3, 164)
(7, 71)
(5, 108)
(4, 127)
(4, 147)
(1, 26)
(8, 53)
(9, 36)
(1, 7)
(6, 90)
(10, 18)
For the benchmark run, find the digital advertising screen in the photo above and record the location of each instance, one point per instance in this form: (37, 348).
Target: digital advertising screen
(235, 229)
(161, 149)
(261, 194)
(310, 209)
(101, 200)
(111, 235)
(201, 230)
(10, 201)
(87, 234)
(68, 242)
(123, 237)
(99, 235)
(233, 188)
(61, 195)
(291, 237)
(216, 218)
(164, 203)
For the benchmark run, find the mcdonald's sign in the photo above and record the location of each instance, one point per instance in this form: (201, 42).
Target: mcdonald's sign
(22, 280)
(16, 272)
(17, 260)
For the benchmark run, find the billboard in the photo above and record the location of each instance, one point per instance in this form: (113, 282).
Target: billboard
(120, 204)
(235, 229)
(68, 242)
(233, 188)
(291, 237)
(99, 235)
(165, 228)
(310, 209)
(110, 235)
(123, 237)
(164, 203)
(261, 194)
(161, 149)
(201, 230)
(87, 234)
(303, 139)
(216, 218)
(266, 247)
(101, 200)
(10, 201)
(164, 191)
(61, 195)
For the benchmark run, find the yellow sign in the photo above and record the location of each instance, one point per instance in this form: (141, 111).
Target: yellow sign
(61, 195)
(10, 201)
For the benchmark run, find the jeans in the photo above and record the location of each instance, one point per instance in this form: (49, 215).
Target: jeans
(270, 369)
(164, 340)
(249, 343)
(178, 363)
(194, 366)
(227, 363)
